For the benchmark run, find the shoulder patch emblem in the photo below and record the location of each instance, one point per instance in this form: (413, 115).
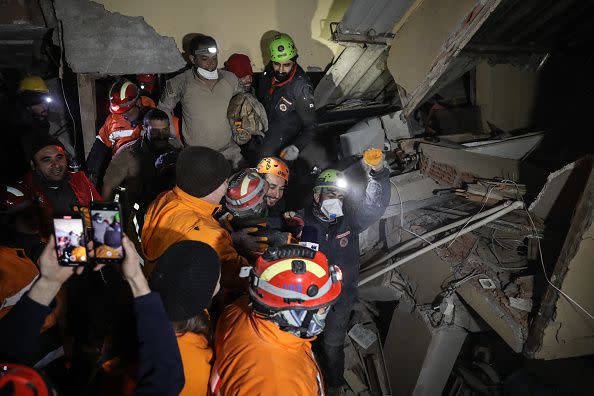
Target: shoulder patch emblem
(282, 107)
(344, 242)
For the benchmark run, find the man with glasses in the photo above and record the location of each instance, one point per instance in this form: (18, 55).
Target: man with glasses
(204, 92)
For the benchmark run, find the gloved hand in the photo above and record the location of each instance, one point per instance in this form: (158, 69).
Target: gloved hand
(289, 153)
(245, 241)
(240, 135)
(374, 158)
(294, 223)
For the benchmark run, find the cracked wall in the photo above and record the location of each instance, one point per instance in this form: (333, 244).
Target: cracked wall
(99, 41)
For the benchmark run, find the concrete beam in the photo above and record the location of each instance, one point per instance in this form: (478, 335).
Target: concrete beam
(99, 41)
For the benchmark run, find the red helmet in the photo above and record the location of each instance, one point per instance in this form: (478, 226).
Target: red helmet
(146, 81)
(274, 166)
(294, 277)
(123, 95)
(13, 199)
(245, 194)
(22, 380)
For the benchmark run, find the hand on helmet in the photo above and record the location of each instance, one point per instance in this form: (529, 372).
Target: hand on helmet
(374, 158)
(289, 153)
(245, 241)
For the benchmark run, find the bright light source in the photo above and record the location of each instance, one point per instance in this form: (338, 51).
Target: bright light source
(341, 183)
(141, 86)
(48, 99)
(212, 50)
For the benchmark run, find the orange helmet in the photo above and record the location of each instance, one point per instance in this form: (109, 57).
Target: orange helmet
(294, 277)
(123, 95)
(22, 380)
(274, 166)
(245, 194)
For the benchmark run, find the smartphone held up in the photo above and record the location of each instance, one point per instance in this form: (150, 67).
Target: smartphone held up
(106, 219)
(70, 240)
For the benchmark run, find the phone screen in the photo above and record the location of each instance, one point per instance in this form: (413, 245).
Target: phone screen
(107, 234)
(70, 240)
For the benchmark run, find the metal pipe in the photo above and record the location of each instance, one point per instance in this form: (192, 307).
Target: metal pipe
(447, 227)
(508, 207)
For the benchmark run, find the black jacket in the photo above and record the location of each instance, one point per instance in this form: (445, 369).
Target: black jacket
(290, 109)
(160, 370)
(339, 240)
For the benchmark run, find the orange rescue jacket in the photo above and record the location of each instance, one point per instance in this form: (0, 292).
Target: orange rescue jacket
(196, 357)
(17, 276)
(255, 357)
(176, 216)
(117, 131)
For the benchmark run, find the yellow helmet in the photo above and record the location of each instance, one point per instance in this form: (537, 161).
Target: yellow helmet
(33, 84)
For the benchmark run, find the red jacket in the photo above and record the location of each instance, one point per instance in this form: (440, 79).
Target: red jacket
(80, 184)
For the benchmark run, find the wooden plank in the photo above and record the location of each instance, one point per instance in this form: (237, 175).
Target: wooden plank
(88, 110)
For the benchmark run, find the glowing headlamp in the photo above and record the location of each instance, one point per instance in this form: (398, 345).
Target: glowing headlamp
(341, 183)
(48, 99)
(210, 51)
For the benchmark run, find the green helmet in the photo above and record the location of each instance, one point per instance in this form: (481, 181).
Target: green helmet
(282, 48)
(331, 178)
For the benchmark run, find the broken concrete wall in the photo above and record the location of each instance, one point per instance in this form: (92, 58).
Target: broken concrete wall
(99, 41)
(561, 329)
(421, 37)
(239, 26)
(506, 95)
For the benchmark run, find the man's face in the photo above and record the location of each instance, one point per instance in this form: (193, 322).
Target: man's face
(40, 110)
(276, 189)
(158, 130)
(50, 162)
(205, 61)
(282, 67)
(329, 194)
(246, 82)
(132, 114)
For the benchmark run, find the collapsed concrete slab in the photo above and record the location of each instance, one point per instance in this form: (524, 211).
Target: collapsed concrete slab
(99, 41)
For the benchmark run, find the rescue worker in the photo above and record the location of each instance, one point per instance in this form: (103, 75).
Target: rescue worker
(186, 212)
(287, 96)
(123, 125)
(30, 120)
(204, 93)
(263, 342)
(53, 187)
(247, 215)
(276, 173)
(145, 167)
(187, 277)
(246, 114)
(338, 220)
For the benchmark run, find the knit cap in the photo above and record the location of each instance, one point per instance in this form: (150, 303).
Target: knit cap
(186, 276)
(240, 65)
(201, 170)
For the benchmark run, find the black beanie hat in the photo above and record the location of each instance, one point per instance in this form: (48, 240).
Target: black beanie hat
(201, 170)
(186, 276)
(38, 142)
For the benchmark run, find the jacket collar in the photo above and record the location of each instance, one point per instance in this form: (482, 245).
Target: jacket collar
(270, 332)
(196, 204)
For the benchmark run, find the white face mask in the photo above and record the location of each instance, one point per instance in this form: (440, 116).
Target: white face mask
(332, 208)
(209, 75)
